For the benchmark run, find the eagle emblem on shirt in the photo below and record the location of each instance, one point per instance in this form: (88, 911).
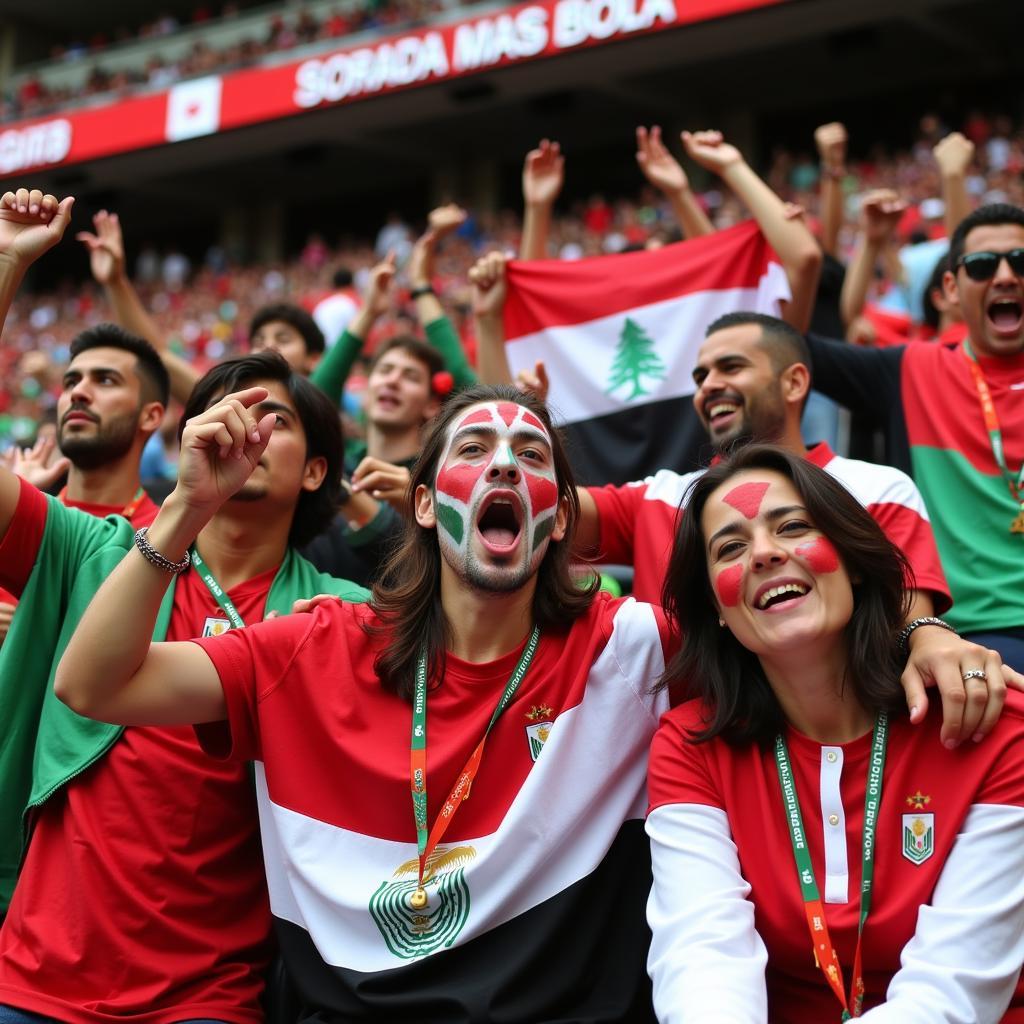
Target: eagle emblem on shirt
(410, 933)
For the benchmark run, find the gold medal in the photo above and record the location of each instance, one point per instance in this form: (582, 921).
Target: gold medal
(418, 900)
(1017, 526)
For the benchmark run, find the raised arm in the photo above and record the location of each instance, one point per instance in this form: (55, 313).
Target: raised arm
(31, 223)
(134, 681)
(831, 142)
(953, 154)
(880, 212)
(437, 327)
(107, 263)
(788, 236)
(666, 174)
(543, 174)
(490, 288)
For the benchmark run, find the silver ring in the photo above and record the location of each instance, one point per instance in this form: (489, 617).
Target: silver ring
(974, 673)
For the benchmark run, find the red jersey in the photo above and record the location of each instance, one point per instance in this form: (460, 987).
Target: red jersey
(142, 895)
(943, 940)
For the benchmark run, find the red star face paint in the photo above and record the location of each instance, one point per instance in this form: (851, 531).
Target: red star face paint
(729, 584)
(747, 498)
(496, 495)
(819, 554)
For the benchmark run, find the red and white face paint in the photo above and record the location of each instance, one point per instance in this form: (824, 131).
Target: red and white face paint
(496, 496)
(781, 587)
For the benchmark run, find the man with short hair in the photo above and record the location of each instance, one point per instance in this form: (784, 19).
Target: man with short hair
(289, 330)
(752, 382)
(953, 416)
(113, 396)
(83, 806)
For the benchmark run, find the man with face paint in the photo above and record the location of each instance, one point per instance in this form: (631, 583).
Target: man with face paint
(753, 378)
(493, 473)
(452, 777)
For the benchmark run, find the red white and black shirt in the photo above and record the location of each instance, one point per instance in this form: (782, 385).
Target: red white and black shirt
(638, 520)
(536, 909)
(944, 940)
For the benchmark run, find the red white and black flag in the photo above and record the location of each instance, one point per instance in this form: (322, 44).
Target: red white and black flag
(619, 336)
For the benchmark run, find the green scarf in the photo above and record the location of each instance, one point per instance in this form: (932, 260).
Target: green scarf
(43, 743)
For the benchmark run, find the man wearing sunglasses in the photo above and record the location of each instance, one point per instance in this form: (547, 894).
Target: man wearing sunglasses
(953, 416)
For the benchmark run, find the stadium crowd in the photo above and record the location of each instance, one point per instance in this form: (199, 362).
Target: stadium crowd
(834, 792)
(277, 33)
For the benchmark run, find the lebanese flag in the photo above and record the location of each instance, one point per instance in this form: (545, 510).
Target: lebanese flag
(619, 336)
(193, 109)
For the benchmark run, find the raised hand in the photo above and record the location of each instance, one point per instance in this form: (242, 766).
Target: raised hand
(490, 287)
(384, 481)
(953, 154)
(31, 222)
(378, 291)
(106, 247)
(220, 448)
(658, 165)
(710, 150)
(831, 141)
(880, 212)
(445, 219)
(543, 174)
(534, 381)
(37, 465)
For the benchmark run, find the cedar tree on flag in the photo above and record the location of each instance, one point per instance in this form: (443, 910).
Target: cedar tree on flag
(619, 336)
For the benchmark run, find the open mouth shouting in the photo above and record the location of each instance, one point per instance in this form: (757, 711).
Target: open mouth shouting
(500, 522)
(780, 595)
(1005, 315)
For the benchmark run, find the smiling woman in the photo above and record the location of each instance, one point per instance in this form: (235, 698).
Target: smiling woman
(796, 757)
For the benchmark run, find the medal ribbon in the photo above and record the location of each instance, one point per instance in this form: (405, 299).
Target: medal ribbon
(825, 955)
(995, 435)
(128, 511)
(236, 620)
(425, 845)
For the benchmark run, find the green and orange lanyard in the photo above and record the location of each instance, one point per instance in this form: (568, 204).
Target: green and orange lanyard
(995, 437)
(825, 955)
(426, 842)
(127, 512)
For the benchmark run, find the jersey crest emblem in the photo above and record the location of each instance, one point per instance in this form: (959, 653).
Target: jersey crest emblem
(537, 735)
(410, 933)
(214, 626)
(918, 837)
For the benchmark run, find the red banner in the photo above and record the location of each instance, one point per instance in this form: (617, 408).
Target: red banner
(204, 106)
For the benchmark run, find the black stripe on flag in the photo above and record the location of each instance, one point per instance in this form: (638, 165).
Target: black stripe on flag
(638, 441)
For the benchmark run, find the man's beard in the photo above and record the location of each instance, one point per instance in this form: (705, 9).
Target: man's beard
(110, 442)
(249, 492)
(762, 421)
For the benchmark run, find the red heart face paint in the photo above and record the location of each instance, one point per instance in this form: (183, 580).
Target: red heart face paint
(496, 495)
(747, 498)
(729, 584)
(819, 554)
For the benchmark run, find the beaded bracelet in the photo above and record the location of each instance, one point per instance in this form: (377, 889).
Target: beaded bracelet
(153, 556)
(903, 639)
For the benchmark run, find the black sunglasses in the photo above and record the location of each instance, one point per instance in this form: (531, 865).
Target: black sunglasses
(982, 266)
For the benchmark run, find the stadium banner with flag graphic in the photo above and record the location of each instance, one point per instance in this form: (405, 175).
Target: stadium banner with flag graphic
(619, 336)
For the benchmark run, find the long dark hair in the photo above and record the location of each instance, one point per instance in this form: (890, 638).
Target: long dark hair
(712, 664)
(407, 595)
(320, 423)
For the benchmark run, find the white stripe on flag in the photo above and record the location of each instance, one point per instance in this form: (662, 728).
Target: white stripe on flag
(581, 358)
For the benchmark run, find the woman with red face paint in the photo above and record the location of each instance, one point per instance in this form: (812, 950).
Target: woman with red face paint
(816, 857)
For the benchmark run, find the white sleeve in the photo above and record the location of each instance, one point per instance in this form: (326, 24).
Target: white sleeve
(962, 964)
(707, 961)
